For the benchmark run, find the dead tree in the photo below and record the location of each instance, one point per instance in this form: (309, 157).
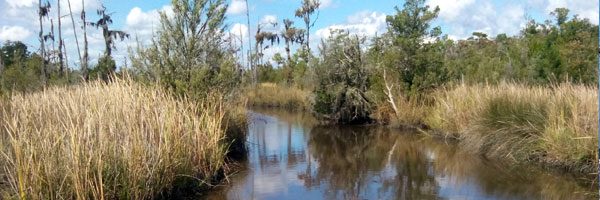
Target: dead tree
(43, 12)
(76, 40)
(60, 42)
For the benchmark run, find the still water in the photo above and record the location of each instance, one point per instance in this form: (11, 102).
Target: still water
(291, 157)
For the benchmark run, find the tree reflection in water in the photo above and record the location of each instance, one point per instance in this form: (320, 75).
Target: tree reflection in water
(292, 158)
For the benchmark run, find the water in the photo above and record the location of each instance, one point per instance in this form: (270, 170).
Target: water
(290, 157)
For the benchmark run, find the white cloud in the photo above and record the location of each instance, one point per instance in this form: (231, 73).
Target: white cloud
(328, 4)
(449, 9)
(237, 7)
(463, 17)
(362, 23)
(14, 33)
(269, 19)
(583, 8)
(21, 3)
(238, 30)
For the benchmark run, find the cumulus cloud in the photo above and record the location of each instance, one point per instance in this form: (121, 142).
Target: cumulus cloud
(21, 3)
(240, 31)
(467, 16)
(365, 23)
(464, 17)
(585, 9)
(237, 7)
(328, 4)
(14, 33)
(450, 9)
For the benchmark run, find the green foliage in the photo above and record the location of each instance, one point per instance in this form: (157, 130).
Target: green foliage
(342, 79)
(22, 75)
(419, 63)
(188, 55)
(105, 68)
(12, 51)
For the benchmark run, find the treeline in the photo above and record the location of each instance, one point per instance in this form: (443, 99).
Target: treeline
(413, 59)
(24, 70)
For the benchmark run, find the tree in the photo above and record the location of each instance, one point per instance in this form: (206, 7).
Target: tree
(261, 37)
(414, 57)
(307, 9)
(343, 80)
(60, 41)
(109, 36)
(561, 15)
(12, 51)
(84, 64)
(43, 12)
(188, 55)
(291, 35)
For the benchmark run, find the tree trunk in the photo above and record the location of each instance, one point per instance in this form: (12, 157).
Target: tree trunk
(43, 75)
(84, 65)
(308, 35)
(60, 44)
(252, 68)
(74, 33)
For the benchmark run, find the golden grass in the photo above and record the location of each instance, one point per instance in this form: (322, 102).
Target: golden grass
(556, 125)
(119, 140)
(273, 95)
(410, 112)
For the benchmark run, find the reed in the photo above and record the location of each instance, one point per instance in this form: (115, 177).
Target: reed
(273, 95)
(556, 125)
(116, 140)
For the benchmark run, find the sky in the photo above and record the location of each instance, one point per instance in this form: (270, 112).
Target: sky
(140, 18)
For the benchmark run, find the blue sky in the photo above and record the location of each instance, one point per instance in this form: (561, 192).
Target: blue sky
(458, 18)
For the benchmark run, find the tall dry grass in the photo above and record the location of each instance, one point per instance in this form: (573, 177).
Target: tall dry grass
(556, 125)
(107, 141)
(273, 95)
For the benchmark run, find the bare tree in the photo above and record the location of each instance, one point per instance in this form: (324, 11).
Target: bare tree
(250, 45)
(308, 8)
(291, 35)
(76, 39)
(60, 42)
(43, 12)
(84, 64)
(108, 34)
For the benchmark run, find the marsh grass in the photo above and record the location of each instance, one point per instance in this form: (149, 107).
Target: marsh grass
(116, 140)
(555, 125)
(273, 95)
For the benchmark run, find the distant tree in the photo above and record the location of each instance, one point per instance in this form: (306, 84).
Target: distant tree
(109, 43)
(291, 35)
(11, 51)
(189, 54)
(416, 60)
(84, 64)
(60, 41)
(43, 11)
(108, 34)
(308, 8)
(561, 15)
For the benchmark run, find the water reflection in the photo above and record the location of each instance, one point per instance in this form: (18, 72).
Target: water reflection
(291, 157)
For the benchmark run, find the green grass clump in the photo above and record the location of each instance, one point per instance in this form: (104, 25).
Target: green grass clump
(116, 140)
